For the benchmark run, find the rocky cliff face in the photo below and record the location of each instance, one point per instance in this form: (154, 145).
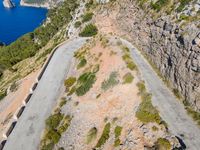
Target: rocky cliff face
(170, 42)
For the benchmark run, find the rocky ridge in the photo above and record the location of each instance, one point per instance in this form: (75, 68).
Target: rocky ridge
(173, 46)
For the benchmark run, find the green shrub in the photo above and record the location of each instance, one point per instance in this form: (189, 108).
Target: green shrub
(87, 17)
(129, 62)
(48, 146)
(163, 144)
(158, 5)
(71, 91)
(89, 30)
(177, 93)
(85, 82)
(82, 63)
(89, 4)
(69, 82)
(54, 120)
(146, 111)
(182, 5)
(65, 124)
(117, 131)
(105, 135)
(128, 78)
(53, 135)
(131, 65)
(110, 82)
(141, 87)
(92, 134)
(62, 102)
(194, 114)
(77, 24)
(2, 95)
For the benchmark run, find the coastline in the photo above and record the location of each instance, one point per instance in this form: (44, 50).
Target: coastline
(45, 5)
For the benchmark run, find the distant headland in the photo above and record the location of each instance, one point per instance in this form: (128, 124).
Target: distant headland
(8, 3)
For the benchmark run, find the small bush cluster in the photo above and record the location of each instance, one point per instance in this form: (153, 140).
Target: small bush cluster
(105, 135)
(146, 111)
(77, 24)
(118, 131)
(163, 143)
(84, 83)
(62, 102)
(110, 82)
(56, 124)
(89, 30)
(92, 134)
(128, 78)
(87, 17)
(69, 82)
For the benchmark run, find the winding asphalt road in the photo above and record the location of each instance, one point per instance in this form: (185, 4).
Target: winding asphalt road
(26, 134)
(171, 110)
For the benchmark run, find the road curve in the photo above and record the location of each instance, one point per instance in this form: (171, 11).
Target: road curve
(26, 134)
(171, 110)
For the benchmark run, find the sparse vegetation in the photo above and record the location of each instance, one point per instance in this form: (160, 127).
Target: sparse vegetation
(127, 59)
(182, 5)
(105, 135)
(70, 82)
(158, 5)
(128, 78)
(110, 82)
(163, 144)
(84, 83)
(194, 114)
(87, 17)
(92, 134)
(89, 30)
(77, 24)
(117, 131)
(89, 4)
(146, 111)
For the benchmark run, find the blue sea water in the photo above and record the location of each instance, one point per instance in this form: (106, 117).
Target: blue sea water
(17, 21)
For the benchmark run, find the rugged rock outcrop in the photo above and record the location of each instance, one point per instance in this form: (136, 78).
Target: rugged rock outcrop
(175, 50)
